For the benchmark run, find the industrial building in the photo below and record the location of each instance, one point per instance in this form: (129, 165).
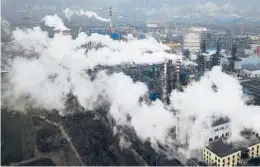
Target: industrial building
(160, 78)
(192, 38)
(252, 88)
(255, 48)
(212, 37)
(220, 129)
(221, 153)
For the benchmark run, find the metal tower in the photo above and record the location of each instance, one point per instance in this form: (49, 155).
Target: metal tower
(164, 82)
(110, 17)
(242, 29)
(177, 71)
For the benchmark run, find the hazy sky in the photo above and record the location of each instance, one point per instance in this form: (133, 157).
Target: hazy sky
(143, 9)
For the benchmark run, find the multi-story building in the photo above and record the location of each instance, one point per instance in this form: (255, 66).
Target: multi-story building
(192, 38)
(220, 129)
(221, 153)
(212, 37)
(201, 64)
(255, 48)
(242, 43)
(252, 88)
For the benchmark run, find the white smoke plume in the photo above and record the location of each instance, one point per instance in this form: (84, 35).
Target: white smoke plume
(69, 13)
(55, 22)
(59, 66)
(199, 100)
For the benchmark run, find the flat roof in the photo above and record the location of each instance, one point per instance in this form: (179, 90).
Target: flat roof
(220, 121)
(221, 148)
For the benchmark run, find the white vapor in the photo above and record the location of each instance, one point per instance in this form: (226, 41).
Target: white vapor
(199, 100)
(69, 13)
(58, 67)
(55, 22)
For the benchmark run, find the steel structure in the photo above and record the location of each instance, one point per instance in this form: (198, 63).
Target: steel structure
(159, 77)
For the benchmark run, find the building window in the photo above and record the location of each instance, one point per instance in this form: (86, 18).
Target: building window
(228, 158)
(233, 156)
(210, 139)
(253, 148)
(227, 134)
(216, 137)
(219, 160)
(257, 146)
(216, 158)
(223, 135)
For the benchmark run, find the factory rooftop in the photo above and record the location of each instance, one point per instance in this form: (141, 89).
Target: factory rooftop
(220, 121)
(222, 148)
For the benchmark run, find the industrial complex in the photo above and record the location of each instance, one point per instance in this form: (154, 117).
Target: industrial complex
(199, 50)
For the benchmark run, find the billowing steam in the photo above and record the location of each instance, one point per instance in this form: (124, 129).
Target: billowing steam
(69, 13)
(199, 100)
(58, 67)
(55, 22)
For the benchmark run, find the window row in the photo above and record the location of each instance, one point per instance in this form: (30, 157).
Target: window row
(217, 137)
(218, 160)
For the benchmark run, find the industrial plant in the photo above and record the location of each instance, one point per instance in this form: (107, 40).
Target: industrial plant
(191, 101)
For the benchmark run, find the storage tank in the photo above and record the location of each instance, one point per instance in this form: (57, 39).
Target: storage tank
(237, 64)
(153, 95)
(184, 77)
(115, 36)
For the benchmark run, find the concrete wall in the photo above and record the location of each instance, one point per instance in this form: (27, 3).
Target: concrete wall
(218, 132)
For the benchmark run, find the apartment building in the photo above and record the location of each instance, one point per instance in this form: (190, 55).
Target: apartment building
(220, 153)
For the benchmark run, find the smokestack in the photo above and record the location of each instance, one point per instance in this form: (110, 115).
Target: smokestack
(177, 71)
(164, 82)
(242, 29)
(110, 17)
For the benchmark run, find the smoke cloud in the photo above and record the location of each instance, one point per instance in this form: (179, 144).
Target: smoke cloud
(199, 100)
(69, 13)
(55, 22)
(57, 66)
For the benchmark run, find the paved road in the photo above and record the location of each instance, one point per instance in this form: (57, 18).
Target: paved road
(192, 162)
(64, 133)
(26, 161)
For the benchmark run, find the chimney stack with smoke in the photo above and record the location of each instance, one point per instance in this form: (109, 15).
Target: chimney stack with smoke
(110, 17)
(177, 71)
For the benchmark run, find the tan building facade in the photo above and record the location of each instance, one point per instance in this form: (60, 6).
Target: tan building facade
(231, 158)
